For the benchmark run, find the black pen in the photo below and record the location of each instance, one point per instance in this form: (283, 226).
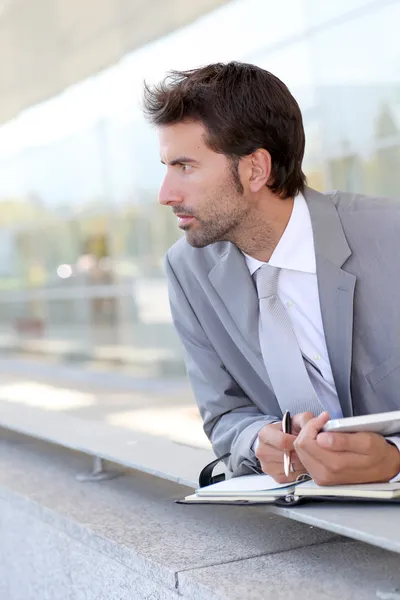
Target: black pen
(286, 428)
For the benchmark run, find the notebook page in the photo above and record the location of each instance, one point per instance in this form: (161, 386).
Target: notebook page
(246, 483)
(362, 487)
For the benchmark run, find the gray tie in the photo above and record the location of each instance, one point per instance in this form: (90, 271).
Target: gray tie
(280, 349)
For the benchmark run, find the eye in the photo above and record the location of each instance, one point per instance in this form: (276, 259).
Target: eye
(186, 167)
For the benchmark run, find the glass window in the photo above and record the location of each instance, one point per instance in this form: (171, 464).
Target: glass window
(323, 13)
(82, 237)
(358, 90)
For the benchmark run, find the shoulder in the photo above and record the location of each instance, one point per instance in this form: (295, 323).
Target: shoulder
(371, 224)
(182, 258)
(363, 205)
(364, 216)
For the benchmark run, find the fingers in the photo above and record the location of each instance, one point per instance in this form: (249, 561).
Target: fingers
(272, 435)
(311, 429)
(296, 463)
(274, 458)
(270, 452)
(299, 420)
(276, 471)
(271, 461)
(305, 443)
(359, 443)
(334, 458)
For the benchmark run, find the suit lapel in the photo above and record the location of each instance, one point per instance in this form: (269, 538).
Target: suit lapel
(234, 285)
(336, 291)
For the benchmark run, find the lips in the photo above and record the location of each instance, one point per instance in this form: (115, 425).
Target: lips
(184, 219)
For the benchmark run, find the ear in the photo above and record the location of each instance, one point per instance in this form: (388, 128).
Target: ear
(260, 169)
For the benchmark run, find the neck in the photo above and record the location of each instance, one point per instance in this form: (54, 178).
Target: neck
(264, 226)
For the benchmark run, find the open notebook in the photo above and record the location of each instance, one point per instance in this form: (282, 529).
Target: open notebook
(263, 489)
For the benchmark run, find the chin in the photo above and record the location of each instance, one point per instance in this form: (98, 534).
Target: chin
(197, 242)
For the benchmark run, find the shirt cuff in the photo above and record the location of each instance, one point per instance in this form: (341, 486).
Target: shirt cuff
(395, 440)
(255, 444)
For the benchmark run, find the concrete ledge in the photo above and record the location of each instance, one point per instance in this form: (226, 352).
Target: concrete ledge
(155, 455)
(126, 538)
(176, 459)
(349, 571)
(373, 523)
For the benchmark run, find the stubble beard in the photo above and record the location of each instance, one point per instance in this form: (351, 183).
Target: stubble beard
(232, 221)
(227, 213)
(220, 226)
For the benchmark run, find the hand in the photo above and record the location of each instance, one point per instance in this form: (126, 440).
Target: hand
(344, 458)
(273, 442)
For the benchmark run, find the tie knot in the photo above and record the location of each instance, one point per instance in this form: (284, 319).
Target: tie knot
(267, 281)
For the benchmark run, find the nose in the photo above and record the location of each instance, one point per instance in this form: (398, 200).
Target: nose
(168, 194)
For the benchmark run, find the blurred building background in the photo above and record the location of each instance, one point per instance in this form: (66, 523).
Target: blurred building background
(82, 237)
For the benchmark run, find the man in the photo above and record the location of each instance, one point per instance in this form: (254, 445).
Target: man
(284, 298)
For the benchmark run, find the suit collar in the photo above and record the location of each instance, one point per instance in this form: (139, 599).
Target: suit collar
(330, 242)
(295, 250)
(329, 239)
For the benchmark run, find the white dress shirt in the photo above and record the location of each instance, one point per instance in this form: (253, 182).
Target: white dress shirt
(298, 291)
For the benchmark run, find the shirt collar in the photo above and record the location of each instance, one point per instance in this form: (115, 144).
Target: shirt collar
(295, 249)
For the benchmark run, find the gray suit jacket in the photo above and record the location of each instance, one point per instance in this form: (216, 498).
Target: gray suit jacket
(215, 312)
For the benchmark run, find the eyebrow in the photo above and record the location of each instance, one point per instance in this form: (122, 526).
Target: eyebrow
(182, 160)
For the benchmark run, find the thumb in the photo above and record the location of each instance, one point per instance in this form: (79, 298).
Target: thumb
(317, 424)
(322, 419)
(299, 420)
(312, 428)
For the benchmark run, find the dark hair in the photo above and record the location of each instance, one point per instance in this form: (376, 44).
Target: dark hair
(243, 108)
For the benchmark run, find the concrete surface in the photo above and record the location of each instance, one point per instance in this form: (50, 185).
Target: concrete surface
(126, 538)
(375, 523)
(153, 426)
(345, 570)
(131, 448)
(49, 521)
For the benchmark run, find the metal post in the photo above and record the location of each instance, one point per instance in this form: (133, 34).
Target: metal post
(98, 472)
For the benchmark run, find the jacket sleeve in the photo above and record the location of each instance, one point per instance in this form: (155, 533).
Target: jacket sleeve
(231, 420)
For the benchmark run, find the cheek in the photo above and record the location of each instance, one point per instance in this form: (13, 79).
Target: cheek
(194, 188)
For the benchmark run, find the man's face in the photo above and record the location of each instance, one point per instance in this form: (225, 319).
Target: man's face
(199, 185)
